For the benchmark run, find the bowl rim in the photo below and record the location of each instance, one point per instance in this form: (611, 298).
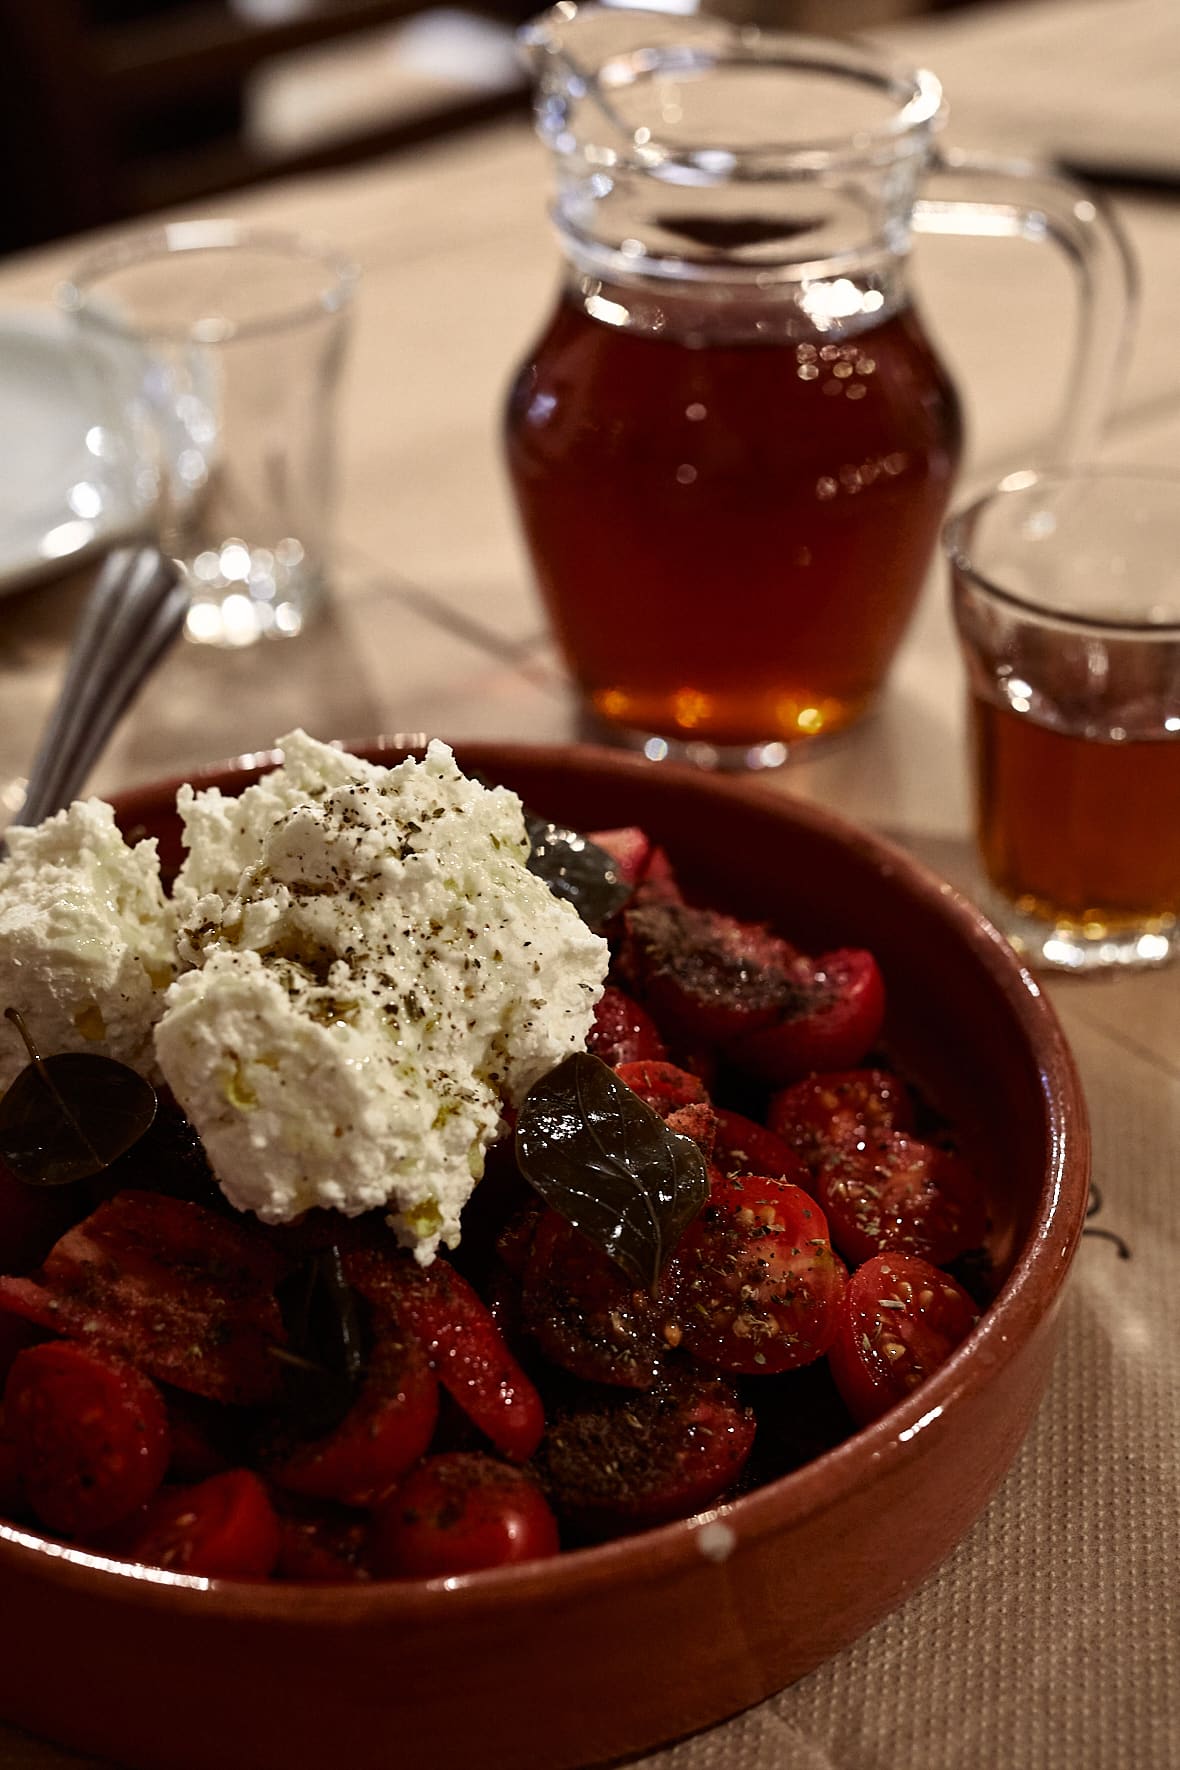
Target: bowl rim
(1028, 1294)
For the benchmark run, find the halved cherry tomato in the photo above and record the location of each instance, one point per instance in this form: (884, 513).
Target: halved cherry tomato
(744, 1147)
(641, 862)
(760, 1287)
(827, 1019)
(90, 1435)
(705, 976)
(459, 1512)
(383, 1434)
(813, 1114)
(322, 1543)
(627, 1463)
(623, 1031)
(436, 1307)
(895, 1192)
(900, 1320)
(186, 1295)
(663, 1086)
(223, 1528)
(586, 1315)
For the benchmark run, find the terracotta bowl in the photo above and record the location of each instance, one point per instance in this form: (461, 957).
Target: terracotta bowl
(610, 1650)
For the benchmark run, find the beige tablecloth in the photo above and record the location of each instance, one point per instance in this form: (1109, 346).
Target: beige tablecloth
(1051, 1639)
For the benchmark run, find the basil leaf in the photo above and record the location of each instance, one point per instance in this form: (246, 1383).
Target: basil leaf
(68, 1117)
(577, 870)
(609, 1164)
(324, 1363)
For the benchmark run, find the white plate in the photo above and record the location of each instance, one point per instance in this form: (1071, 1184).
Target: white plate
(55, 504)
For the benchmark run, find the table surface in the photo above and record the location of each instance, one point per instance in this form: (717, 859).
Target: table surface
(1052, 1636)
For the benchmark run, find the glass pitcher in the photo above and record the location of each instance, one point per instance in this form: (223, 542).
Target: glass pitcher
(733, 444)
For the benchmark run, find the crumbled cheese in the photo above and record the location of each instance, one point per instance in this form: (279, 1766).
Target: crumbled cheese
(375, 971)
(225, 835)
(87, 940)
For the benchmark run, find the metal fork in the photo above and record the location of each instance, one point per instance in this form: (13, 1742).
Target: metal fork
(130, 618)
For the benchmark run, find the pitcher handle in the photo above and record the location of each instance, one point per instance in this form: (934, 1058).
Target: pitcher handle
(1020, 199)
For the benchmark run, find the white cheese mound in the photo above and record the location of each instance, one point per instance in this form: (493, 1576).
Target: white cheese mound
(223, 836)
(87, 940)
(385, 972)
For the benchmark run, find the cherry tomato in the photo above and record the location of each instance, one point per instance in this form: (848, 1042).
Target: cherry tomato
(641, 862)
(744, 1147)
(705, 976)
(829, 1017)
(89, 1432)
(322, 1543)
(760, 1287)
(223, 1528)
(900, 1320)
(663, 1086)
(436, 1307)
(459, 1512)
(183, 1293)
(586, 1315)
(386, 1430)
(624, 1464)
(894, 1192)
(623, 1032)
(824, 1109)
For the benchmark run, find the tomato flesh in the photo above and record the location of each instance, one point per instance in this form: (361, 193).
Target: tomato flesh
(459, 1512)
(837, 1106)
(624, 1464)
(894, 1192)
(623, 1032)
(386, 1430)
(901, 1318)
(438, 1309)
(321, 1543)
(663, 1086)
(743, 1147)
(186, 1295)
(586, 1315)
(642, 864)
(223, 1528)
(760, 1286)
(705, 976)
(828, 1018)
(89, 1434)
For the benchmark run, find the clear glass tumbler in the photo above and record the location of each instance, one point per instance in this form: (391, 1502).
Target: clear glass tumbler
(211, 354)
(1067, 599)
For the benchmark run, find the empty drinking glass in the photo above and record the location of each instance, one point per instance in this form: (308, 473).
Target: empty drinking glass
(211, 354)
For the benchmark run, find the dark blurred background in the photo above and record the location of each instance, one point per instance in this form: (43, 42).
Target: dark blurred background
(110, 109)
